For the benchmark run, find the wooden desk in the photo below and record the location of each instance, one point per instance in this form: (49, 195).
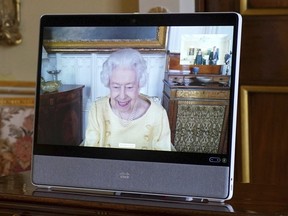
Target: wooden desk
(19, 197)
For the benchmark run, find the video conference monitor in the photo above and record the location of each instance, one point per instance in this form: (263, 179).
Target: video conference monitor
(138, 103)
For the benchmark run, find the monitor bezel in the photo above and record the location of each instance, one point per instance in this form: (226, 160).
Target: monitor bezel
(226, 19)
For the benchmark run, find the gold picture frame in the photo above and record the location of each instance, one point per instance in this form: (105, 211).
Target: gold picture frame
(89, 44)
(245, 145)
(245, 9)
(10, 21)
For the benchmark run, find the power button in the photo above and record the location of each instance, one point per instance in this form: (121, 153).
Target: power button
(215, 159)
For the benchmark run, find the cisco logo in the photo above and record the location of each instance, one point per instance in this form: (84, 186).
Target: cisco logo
(124, 175)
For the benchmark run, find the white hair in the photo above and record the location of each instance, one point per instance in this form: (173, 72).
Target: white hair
(129, 58)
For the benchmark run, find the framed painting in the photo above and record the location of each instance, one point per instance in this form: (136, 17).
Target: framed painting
(89, 39)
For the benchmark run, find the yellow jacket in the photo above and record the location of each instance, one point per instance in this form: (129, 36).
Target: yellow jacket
(150, 132)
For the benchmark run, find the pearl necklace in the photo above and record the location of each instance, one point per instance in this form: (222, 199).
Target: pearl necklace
(125, 122)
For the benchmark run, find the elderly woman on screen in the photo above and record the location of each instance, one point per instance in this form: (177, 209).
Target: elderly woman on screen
(125, 118)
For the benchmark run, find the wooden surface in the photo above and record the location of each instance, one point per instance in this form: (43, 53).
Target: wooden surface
(19, 197)
(174, 64)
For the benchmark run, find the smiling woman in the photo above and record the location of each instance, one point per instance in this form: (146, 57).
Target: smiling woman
(125, 118)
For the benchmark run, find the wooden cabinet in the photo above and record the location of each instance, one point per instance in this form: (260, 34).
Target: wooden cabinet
(197, 112)
(60, 116)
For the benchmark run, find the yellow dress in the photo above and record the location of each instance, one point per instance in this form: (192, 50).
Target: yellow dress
(151, 131)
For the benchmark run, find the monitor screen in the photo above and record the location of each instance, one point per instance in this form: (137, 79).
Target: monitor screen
(137, 88)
